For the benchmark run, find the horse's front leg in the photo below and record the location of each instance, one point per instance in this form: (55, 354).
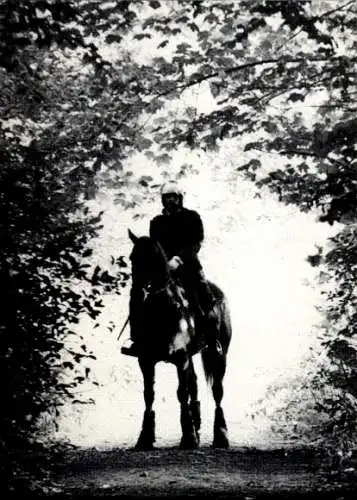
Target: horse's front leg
(190, 438)
(147, 435)
(194, 403)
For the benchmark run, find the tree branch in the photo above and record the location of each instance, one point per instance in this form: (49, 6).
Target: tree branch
(238, 68)
(229, 71)
(289, 39)
(324, 14)
(328, 12)
(298, 152)
(246, 66)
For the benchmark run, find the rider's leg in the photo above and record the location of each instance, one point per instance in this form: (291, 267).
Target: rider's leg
(210, 319)
(205, 297)
(203, 301)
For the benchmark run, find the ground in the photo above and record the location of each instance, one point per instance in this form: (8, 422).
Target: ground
(235, 473)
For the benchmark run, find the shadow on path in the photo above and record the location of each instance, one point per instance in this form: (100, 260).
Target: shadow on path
(170, 472)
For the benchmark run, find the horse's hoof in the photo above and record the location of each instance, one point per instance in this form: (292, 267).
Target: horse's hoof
(144, 447)
(222, 443)
(189, 444)
(144, 444)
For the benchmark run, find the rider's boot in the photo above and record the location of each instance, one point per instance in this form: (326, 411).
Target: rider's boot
(130, 346)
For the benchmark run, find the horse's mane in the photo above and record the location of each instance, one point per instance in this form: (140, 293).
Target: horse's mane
(162, 251)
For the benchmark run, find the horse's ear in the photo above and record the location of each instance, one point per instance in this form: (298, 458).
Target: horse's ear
(132, 236)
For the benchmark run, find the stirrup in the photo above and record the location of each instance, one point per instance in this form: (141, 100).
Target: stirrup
(130, 350)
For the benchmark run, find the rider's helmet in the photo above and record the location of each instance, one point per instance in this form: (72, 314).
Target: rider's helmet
(169, 203)
(172, 187)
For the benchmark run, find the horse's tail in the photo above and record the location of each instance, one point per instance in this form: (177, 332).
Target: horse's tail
(208, 357)
(213, 359)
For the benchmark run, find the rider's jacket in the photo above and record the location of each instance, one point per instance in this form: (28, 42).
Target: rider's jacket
(180, 233)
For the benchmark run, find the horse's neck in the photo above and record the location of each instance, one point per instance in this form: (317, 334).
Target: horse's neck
(157, 282)
(163, 275)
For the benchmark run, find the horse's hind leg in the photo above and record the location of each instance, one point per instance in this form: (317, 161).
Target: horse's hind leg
(190, 439)
(220, 432)
(147, 435)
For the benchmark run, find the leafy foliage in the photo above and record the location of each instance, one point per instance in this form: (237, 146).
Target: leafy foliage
(77, 101)
(39, 22)
(47, 278)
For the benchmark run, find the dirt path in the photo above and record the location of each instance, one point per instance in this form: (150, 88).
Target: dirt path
(236, 473)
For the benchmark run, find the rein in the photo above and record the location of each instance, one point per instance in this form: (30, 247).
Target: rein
(146, 294)
(147, 291)
(171, 284)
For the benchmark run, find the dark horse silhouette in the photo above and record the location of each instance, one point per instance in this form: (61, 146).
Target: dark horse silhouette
(169, 335)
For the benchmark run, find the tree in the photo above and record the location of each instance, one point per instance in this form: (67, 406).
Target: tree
(47, 281)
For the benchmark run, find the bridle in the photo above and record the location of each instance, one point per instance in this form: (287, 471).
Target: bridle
(147, 290)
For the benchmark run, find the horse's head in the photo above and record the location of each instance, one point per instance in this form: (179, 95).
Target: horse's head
(148, 261)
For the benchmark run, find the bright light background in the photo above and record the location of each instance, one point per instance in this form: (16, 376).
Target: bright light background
(256, 250)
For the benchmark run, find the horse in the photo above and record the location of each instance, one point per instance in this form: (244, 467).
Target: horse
(172, 335)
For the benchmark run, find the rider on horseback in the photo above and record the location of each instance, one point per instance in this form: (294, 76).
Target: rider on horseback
(180, 233)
